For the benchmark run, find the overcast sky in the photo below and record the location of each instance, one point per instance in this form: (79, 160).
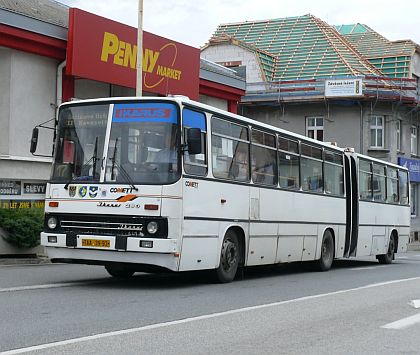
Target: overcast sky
(193, 22)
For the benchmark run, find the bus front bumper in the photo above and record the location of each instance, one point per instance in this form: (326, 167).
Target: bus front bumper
(102, 249)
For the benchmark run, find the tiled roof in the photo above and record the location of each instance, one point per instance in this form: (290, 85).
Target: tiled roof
(49, 11)
(302, 47)
(392, 58)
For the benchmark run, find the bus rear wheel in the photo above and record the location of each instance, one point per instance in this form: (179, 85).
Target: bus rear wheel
(389, 256)
(327, 252)
(229, 258)
(119, 272)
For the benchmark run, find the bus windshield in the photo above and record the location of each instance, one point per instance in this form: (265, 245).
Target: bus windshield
(80, 143)
(144, 145)
(143, 148)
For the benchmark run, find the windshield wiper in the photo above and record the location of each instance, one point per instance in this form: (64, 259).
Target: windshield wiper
(117, 165)
(94, 160)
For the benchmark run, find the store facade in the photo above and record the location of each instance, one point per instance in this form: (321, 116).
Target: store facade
(56, 54)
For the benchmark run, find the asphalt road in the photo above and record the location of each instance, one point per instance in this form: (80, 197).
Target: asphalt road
(351, 309)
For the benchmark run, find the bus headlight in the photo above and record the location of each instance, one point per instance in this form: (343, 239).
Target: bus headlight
(52, 223)
(152, 227)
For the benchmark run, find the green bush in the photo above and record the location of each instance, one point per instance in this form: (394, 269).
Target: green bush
(23, 226)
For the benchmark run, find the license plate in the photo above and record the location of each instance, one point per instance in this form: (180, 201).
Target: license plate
(96, 243)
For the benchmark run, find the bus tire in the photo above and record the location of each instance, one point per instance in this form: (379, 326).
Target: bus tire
(389, 256)
(229, 258)
(327, 252)
(119, 272)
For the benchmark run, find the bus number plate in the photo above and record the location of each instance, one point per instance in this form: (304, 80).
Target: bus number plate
(96, 243)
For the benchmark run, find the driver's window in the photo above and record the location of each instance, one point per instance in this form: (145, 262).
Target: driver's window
(195, 164)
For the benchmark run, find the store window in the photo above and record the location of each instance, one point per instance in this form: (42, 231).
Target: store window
(376, 131)
(414, 142)
(315, 128)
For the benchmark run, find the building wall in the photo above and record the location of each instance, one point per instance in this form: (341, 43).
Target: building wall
(214, 101)
(339, 122)
(228, 52)
(415, 64)
(5, 75)
(27, 99)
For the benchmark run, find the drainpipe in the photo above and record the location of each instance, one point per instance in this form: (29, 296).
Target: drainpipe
(59, 88)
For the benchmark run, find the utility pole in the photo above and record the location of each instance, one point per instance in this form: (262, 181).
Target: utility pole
(139, 80)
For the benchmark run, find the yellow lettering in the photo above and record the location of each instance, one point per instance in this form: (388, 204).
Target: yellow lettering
(169, 72)
(109, 46)
(149, 60)
(130, 55)
(119, 57)
(161, 70)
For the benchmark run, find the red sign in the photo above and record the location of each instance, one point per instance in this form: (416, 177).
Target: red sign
(104, 50)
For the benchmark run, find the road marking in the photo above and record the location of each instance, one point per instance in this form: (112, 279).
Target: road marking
(402, 257)
(414, 303)
(197, 318)
(57, 285)
(403, 323)
(368, 267)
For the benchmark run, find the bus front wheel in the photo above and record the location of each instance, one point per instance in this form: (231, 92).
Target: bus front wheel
(119, 272)
(389, 256)
(229, 258)
(327, 252)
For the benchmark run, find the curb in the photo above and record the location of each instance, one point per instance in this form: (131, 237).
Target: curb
(24, 261)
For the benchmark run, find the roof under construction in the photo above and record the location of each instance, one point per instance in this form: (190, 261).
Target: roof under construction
(392, 58)
(296, 48)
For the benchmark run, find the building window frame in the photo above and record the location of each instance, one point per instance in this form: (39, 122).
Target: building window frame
(414, 140)
(399, 136)
(377, 131)
(315, 127)
(413, 200)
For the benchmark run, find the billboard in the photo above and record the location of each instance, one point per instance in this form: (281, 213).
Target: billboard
(104, 50)
(413, 166)
(343, 87)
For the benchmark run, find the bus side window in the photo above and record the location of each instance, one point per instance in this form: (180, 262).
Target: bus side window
(392, 185)
(403, 179)
(379, 182)
(263, 158)
(333, 173)
(195, 164)
(311, 168)
(365, 180)
(230, 150)
(289, 165)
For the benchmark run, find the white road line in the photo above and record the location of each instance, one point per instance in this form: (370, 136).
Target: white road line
(403, 323)
(39, 287)
(193, 319)
(368, 267)
(402, 257)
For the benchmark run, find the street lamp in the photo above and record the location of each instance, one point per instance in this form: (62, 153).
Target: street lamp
(139, 80)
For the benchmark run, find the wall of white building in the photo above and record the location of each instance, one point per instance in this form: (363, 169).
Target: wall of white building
(229, 52)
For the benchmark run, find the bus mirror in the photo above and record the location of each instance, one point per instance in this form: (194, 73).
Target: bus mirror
(34, 140)
(194, 140)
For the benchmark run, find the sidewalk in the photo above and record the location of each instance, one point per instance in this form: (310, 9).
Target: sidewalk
(23, 260)
(414, 246)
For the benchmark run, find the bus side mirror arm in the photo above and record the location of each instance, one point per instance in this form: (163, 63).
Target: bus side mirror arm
(194, 141)
(34, 138)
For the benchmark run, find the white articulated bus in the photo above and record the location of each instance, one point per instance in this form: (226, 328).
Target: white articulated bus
(149, 184)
